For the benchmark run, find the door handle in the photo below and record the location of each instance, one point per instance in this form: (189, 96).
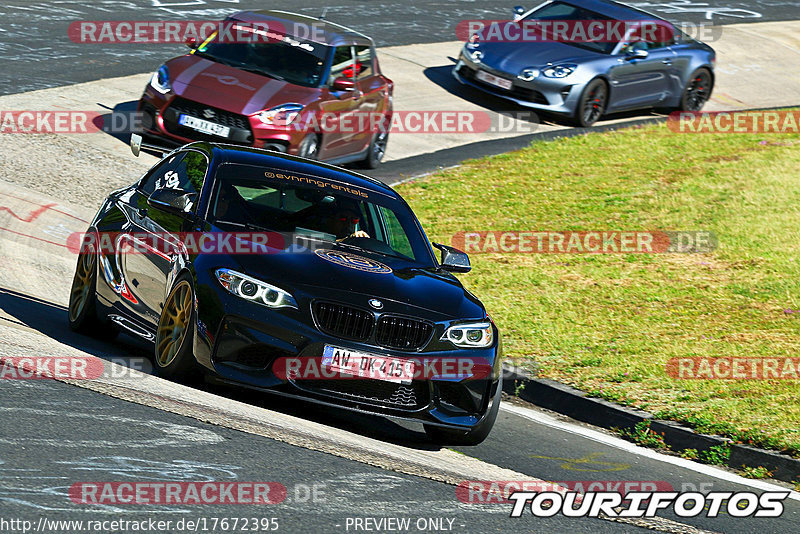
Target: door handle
(666, 61)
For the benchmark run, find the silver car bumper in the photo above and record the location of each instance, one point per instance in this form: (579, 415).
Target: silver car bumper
(553, 96)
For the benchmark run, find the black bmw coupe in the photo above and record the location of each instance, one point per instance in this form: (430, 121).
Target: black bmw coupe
(294, 277)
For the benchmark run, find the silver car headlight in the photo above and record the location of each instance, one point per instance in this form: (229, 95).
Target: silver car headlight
(559, 71)
(472, 335)
(160, 80)
(254, 290)
(282, 115)
(528, 74)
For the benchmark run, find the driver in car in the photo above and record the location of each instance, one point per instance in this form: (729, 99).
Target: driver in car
(343, 224)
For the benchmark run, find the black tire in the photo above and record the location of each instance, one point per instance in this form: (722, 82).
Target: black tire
(592, 104)
(697, 91)
(376, 149)
(446, 436)
(309, 147)
(82, 310)
(173, 357)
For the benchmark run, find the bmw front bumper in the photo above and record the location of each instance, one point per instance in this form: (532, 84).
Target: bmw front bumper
(242, 342)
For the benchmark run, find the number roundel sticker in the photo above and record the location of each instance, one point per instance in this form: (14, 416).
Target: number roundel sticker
(353, 261)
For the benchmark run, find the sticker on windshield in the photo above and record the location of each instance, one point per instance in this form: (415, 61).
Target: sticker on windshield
(353, 261)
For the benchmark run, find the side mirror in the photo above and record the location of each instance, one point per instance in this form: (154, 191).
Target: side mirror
(171, 200)
(136, 144)
(453, 260)
(191, 42)
(637, 53)
(518, 12)
(343, 84)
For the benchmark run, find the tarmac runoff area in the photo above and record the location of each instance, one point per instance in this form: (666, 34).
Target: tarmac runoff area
(758, 66)
(50, 186)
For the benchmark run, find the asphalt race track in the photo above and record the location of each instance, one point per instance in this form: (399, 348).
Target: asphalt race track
(337, 467)
(38, 54)
(134, 426)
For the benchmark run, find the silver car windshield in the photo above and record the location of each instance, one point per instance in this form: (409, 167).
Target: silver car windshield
(567, 12)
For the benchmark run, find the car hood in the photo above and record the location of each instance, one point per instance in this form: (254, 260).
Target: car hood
(405, 288)
(232, 89)
(513, 57)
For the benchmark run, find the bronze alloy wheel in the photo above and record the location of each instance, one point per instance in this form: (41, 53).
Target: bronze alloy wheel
(174, 324)
(82, 285)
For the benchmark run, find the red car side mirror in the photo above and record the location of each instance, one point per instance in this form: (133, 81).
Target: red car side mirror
(343, 84)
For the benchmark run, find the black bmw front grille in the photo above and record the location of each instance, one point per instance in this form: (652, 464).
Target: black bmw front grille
(343, 321)
(402, 333)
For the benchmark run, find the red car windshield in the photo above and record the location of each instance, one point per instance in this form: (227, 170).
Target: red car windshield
(292, 60)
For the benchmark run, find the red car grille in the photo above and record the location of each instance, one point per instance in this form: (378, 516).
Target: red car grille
(239, 124)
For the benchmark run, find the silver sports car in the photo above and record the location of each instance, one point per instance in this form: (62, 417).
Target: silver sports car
(583, 59)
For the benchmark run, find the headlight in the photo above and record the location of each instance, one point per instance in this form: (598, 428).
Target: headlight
(282, 115)
(160, 80)
(257, 291)
(473, 41)
(559, 71)
(473, 335)
(528, 74)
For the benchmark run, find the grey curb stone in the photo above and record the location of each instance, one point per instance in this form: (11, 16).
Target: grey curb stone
(578, 405)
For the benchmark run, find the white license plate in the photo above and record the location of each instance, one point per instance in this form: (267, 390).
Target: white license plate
(204, 126)
(359, 364)
(491, 79)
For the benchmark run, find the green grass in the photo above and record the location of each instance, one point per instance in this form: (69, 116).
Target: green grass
(609, 323)
(645, 436)
(756, 472)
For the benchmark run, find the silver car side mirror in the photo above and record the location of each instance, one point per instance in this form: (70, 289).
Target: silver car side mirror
(638, 53)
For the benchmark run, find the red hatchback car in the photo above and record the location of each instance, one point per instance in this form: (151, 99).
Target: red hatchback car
(312, 88)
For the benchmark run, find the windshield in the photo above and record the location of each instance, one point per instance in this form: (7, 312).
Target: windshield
(293, 60)
(568, 12)
(316, 210)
